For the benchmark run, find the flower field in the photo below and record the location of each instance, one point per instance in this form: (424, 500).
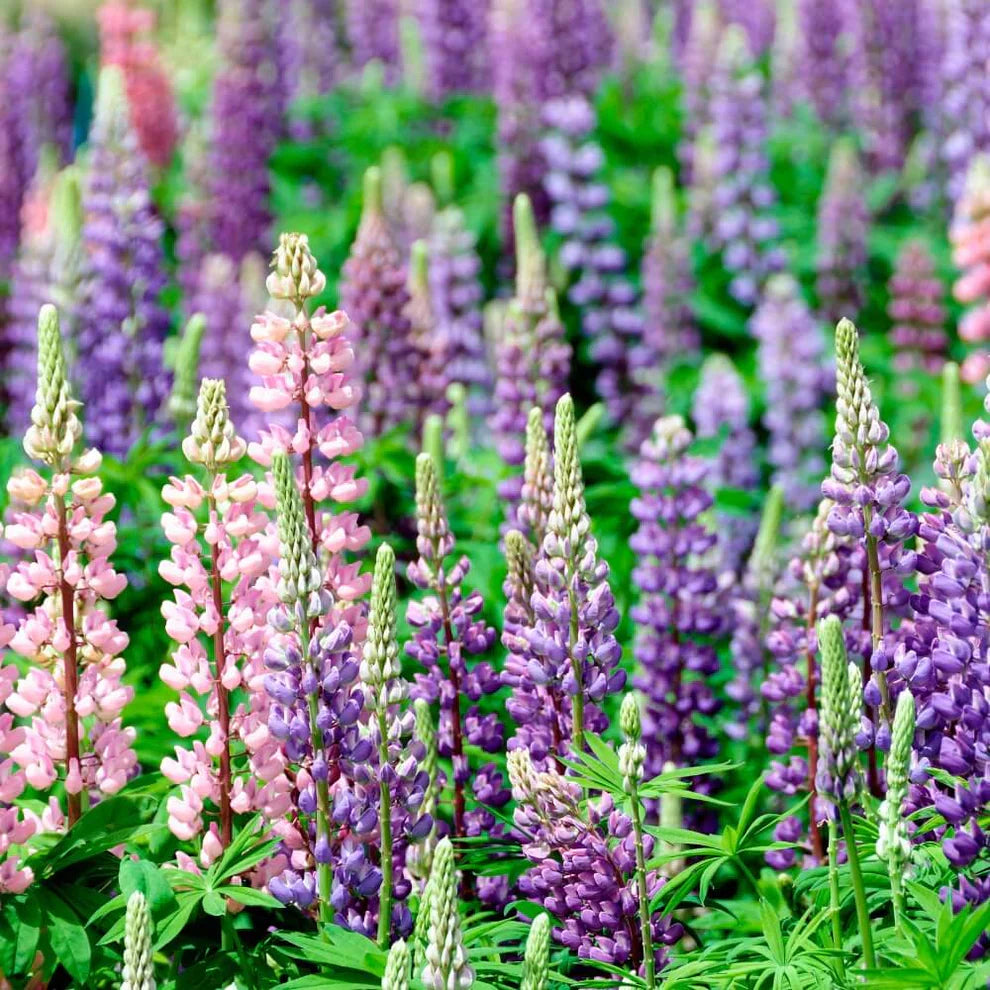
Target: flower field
(496, 494)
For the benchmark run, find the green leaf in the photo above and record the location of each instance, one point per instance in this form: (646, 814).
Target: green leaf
(213, 903)
(250, 895)
(28, 916)
(139, 874)
(67, 935)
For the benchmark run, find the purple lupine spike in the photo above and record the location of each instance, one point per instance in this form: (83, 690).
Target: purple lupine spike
(918, 317)
(373, 34)
(678, 616)
(373, 291)
(843, 225)
(756, 18)
(786, 68)
(697, 67)
(455, 39)
(791, 356)
(825, 578)
(247, 119)
(122, 324)
(607, 300)
(429, 365)
(448, 630)
(532, 356)
(744, 231)
(229, 295)
(455, 286)
(823, 60)
(587, 850)
(669, 330)
(721, 406)
(965, 90)
(580, 45)
(310, 56)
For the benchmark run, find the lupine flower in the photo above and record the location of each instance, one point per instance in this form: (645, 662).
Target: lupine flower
(311, 57)
(823, 61)
(843, 224)
(575, 654)
(964, 92)
(678, 616)
(869, 493)
(580, 45)
(419, 856)
(305, 368)
(756, 18)
(373, 291)
(139, 966)
(428, 368)
(532, 354)
(228, 295)
(893, 844)
(607, 300)
(751, 606)
(918, 317)
(401, 780)
(569, 841)
(216, 558)
(536, 960)
(455, 39)
(373, 34)
(447, 966)
(70, 696)
(397, 967)
(125, 41)
(971, 254)
(456, 291)
(791, 359)
(839, 778)
(744, 231)
(446, 631)
(786, 67)
(122, 324)
(697, 64)
(720, 407)
(246, 121)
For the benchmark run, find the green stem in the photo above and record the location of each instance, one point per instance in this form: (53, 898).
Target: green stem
(385, 897)
(323, 877)
(859, 891)
(646, 932)
(750, 879)
(897, 894)
(833, 883)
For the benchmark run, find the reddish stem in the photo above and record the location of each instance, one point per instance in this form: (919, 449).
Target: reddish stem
(70, 662)
(223, 697)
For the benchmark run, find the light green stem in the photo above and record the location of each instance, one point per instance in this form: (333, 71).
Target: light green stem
(385, 897)
(859, 891)
(897, 893)
(833, 883)
(646, 931)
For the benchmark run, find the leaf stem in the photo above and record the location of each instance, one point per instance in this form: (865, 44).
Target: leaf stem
(859, 891)
(385, 812)
(646, 930)
(833, 883)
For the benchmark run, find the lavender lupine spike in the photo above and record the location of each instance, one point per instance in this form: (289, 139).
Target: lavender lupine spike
(447, 631)
(428, 366)
(786, 67)
(373, 292)
(607, 299)
(965, 94)
(122, 324)
(580, 45)
(697, 67)
(311, 59)
(744, 230)
(756, 19)
(247, 113)
(751, 607)
(721, 408)
(843, 224)
(791, 359)
(869, 493)
(456, 290)
(532, 354)
(573, 637)
(678, 617)
(918, 316)
(839, 779)
(454, 35)
(823, 61)
(447, 966)
(536, 501)
(373, 34)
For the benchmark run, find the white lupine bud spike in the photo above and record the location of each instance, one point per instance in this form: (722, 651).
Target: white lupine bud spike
(446, 958)
(55, 428)
(632, 753)
(182, 401)
(139, 970)
(536, 961)
(569, 518)
(380, 666)
(841, 711)
(295, 274)
(537, 489)
(522, 774)
(531, 265)
(212, 440)
(893, 843)
(397, 967)
(299, 573)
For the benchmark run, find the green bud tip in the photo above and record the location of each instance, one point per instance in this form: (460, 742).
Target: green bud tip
(629, 718)
(846, 341)
(111, 97)
(765, 544)
(372, 190)
(536, 961)
(663, 209)
(67, 207)
(419, 260)
(442, 175)
(433, 440)
(951, 420)
(397, 967)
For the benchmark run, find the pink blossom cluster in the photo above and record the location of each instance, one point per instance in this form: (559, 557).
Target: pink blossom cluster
(34, 743)
(221, 522)
(970, 237)
(125, 42)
